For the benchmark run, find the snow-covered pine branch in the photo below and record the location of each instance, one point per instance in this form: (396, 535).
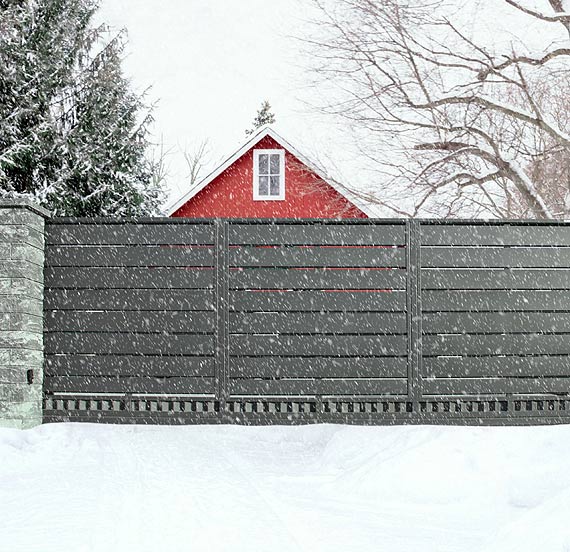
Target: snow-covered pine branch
(73, 134)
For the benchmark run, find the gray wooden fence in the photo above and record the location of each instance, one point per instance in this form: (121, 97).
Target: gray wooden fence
(373, 321)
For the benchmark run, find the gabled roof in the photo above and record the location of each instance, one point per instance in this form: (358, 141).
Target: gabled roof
(258, 136)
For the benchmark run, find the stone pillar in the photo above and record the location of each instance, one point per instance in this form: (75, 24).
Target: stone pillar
(21, 313)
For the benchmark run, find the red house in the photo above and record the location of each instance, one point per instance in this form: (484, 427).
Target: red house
(266, 178)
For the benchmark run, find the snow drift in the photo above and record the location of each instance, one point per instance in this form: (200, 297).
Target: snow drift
(217, 488)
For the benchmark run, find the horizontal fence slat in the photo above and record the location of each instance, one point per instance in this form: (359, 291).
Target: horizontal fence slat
(315, 234)
(489, 257)
(496, 279)
(479, 345)
(495, 322)
(505, 300)
(125, 299)
(127, 344)
(378, 257)
(129, 365)
(291, 367)
(129, 321)
(129, 277)
(317, 278)
(321, 301)
(493, 235)
(474, 367)
(318, 345)
(129, 256)
(318, 387)
(490, 386)
(81, 384)
(129, 234)
(316, 322)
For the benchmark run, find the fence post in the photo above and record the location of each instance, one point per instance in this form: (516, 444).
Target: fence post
(21, 313)
(414, 311)
(221, 292)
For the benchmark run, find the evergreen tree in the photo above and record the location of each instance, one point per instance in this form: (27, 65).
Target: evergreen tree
(264, 117)
(73, 135)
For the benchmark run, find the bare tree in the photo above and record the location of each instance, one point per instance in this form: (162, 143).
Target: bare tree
(197, 158)
(452, 123)
(549, 167)
(159, 163)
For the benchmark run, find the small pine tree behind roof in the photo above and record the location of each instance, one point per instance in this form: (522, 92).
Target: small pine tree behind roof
(264, 117)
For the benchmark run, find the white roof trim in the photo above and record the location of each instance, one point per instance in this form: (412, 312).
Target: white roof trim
(262, 133)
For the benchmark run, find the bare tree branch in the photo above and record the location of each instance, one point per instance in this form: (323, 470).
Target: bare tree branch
(451, 122)
(559, 52)
(556, 6)
(196, 159)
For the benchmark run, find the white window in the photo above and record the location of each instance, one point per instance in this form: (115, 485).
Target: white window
(268, 174)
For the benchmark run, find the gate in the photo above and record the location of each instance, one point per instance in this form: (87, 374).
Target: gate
(354, 321)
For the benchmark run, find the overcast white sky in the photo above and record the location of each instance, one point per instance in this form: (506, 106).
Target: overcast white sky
(210, 64)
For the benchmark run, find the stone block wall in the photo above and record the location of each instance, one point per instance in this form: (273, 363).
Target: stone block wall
(21, 313)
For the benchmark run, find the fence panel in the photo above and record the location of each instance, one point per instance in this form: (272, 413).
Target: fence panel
(317, 309)
(495, 310)
(129, 310)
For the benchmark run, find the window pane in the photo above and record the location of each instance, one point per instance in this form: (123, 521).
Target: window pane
(264, 185)
(274, 186)
(275, 157)
(264, 164)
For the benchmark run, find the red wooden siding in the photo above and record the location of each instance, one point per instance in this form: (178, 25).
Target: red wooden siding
(230, 195)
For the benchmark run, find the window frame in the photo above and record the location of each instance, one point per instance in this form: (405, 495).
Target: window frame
(256, 195)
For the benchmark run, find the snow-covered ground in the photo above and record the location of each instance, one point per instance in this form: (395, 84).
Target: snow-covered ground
(106, 488)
